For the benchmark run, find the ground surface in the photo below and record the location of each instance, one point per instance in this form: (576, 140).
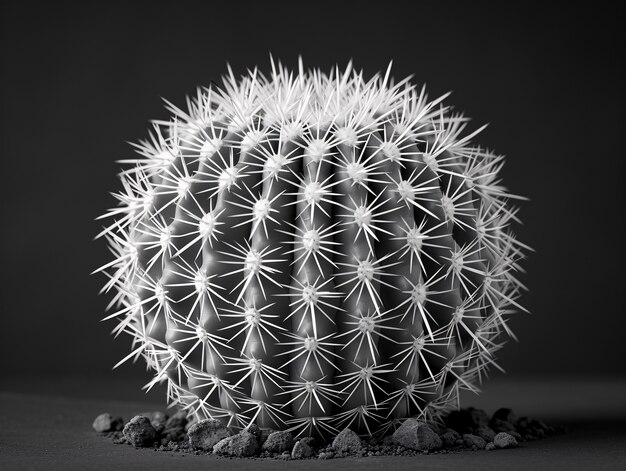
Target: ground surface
(46, 424)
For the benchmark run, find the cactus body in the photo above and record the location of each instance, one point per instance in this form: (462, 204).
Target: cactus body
(311, 251)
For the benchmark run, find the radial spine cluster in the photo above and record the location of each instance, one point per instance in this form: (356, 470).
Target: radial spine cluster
(310, 252)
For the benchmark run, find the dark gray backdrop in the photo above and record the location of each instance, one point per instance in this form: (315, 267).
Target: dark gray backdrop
(78, 81)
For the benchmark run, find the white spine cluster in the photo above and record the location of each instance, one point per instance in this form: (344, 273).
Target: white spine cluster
(310, 251)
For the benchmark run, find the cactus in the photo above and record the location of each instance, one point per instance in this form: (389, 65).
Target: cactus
(311, 252)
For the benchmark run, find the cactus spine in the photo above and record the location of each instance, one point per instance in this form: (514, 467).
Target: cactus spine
(313, 251)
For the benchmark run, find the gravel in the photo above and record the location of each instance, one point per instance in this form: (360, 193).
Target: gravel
(412, 438)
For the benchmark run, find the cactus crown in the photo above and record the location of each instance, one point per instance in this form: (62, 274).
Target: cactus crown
(310, 251)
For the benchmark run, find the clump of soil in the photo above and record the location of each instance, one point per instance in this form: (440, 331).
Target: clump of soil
(465, 429)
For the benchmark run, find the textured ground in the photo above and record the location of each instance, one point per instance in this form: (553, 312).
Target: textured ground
(46, 424)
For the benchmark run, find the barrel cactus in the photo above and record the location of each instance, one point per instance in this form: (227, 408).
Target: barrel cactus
(311, 251)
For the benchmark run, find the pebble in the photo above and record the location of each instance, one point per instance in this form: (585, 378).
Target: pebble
(206, 433)
(473, 441)
(242, 444)
(278, 442)
(347, 442)
(490, 446)
(449, 438)
(301, 450)
(139, 432)
(325, 455)
(309, 441)
(504, 440)
(416, 435)
(106, 423)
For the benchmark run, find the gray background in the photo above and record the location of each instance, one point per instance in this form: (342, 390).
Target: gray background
(78, 81)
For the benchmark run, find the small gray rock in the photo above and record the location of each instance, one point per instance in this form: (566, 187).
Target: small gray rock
(416, 435)
(106, 423)
(485, 433)
(309, 441)
(139, 432)
(504, 440)
(301, 450)
(278, 442)
(206, 433)
(471, 441)
(490, 446)
(325, 455)
(242, 444)
(347, 442)
(449, 438)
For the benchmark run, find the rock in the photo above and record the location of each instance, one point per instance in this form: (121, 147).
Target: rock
(499, 425)
(505, 414)
(515, 435)
(242, 444)
(347, 441)
(325, 455)
(310, 441)
(388, 440)
(278, 442)
(179, 419)
(416, 435)
(485, 433)
(301, 450)
(205, 434)
(254, 430)
(156, 417)
(490, 446)
(504, 440)
(139, 432)
(449, 438)
(106, 423)
(473, 441)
